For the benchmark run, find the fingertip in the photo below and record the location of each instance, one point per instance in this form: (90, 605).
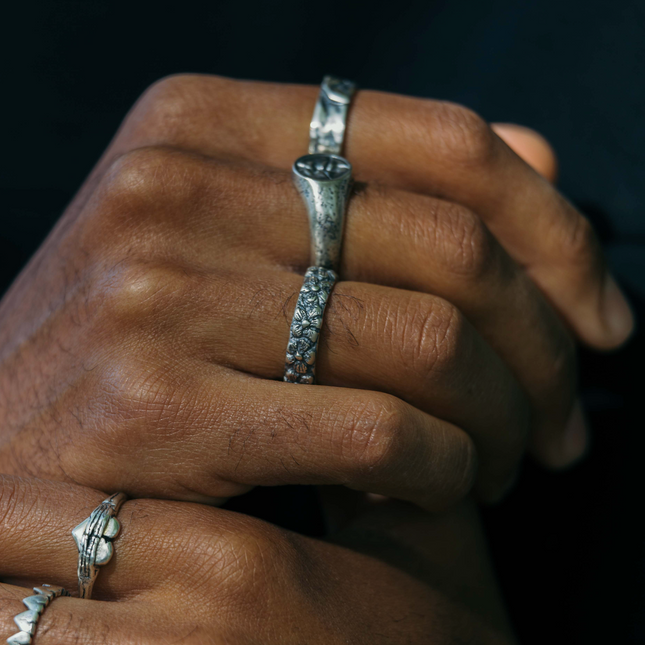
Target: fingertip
(530, 146)
(617, 313)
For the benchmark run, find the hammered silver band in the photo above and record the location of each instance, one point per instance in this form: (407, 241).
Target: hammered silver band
(93, 538)
(27, 621)
(327, 128)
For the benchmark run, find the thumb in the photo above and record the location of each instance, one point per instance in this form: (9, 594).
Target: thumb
(530, 146)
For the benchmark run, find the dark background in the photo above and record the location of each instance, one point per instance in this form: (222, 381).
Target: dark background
(569, 547)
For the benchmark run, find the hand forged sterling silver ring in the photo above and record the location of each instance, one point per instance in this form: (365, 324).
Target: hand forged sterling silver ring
(93, 538)
(28, 620)
(327, 128)
(324, 183)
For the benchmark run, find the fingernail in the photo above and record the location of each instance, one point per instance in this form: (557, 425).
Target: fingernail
(617, 312)
(574, 439)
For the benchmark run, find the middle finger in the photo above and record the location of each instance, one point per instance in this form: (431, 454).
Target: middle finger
(250, 216)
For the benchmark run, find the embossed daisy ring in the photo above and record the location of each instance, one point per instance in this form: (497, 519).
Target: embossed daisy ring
(93, 538)
(324, 182)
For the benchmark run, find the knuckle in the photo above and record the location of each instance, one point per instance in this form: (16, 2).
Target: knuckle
(142, 181)
(369, 438)
(170, 104)
(463, 136)
(468, 248)
(136, 290)
(140, 401)
(429, 335)
(244, 560)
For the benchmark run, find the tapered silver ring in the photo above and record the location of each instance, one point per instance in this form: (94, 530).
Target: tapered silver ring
(93, 538)
(329, 121)
(324, 183)
(27, 621)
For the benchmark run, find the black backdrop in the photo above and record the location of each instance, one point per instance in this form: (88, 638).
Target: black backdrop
(569, 547)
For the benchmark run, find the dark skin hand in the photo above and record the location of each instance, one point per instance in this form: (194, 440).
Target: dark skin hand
(188, 573)
(141, 344)
(132, 344)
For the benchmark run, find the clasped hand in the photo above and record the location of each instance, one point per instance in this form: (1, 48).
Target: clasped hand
(142, 345)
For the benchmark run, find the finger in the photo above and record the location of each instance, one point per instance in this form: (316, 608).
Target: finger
(419, 145)
(531, 146)
(162, 549)
(211, 432)
(414, 346)
(446, 249)
(72, 621)
(37, 518)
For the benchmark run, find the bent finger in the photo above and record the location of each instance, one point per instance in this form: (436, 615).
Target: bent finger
(428, 146)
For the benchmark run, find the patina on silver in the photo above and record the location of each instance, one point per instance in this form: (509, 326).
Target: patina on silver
(28, 620)
(327, 128)
(93, 538)
(324, 183)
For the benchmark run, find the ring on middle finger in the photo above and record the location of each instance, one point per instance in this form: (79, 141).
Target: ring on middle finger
(324, 182)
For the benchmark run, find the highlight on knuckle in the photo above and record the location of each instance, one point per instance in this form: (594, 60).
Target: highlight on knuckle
(144, 181)
(463, 136)
(169, 105)
(138, 290)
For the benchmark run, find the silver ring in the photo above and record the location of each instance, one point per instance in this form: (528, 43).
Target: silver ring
(300, 365)
(324, 183)
(93, 538)
(28, 620)
(327, 128)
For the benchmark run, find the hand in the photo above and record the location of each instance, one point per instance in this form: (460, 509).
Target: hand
(132, 343)
(194, 574)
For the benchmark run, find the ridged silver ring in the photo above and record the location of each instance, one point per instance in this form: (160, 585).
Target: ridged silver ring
(93, 538)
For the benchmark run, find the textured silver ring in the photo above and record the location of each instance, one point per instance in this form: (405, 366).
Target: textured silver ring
(327, 128)
(28, 620)
(93, 538)
(324, 182)
(300, 365)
